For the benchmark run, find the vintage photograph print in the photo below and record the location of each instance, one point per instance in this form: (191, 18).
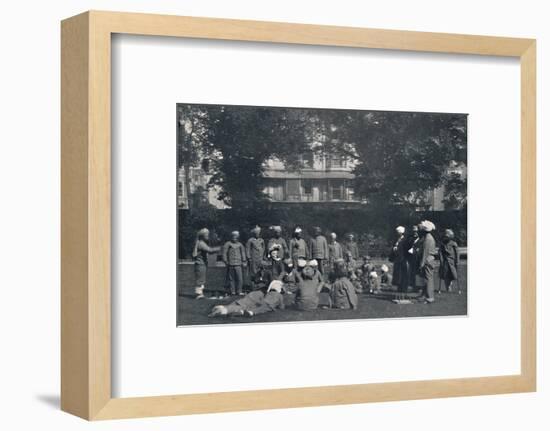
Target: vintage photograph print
(300, 214)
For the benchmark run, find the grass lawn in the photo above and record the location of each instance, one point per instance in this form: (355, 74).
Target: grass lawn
(195, 312)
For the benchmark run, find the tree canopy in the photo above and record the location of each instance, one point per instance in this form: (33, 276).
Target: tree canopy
(398, 156)
(235, 143)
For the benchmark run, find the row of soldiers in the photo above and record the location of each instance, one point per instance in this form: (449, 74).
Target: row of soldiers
(317, 247)
(279, 283)
(413, 256)
(249, 257)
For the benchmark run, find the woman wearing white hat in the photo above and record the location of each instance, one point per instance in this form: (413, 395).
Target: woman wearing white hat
(398, 257)
(275, 261)
(413, 244)
(278, 239)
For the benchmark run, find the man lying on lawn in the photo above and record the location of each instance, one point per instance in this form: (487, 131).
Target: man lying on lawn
(256, 302)
(310, 294)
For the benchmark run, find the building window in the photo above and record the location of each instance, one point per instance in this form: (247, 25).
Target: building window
(275, 189)
(350, 192)
(308, 187)
(310, 190)
(307, 160)
(323, 190)
(336, 190)
(293, 190)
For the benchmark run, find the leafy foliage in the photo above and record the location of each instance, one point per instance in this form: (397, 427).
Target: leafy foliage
(456, 192)
(398, 155)
(237, 141)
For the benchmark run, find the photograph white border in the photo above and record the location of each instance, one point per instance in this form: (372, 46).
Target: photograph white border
(138, 102)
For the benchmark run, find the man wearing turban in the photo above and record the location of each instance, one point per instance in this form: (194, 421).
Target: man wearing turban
(278, 239)
(201, 250)
(351, 246)
(234, 257)
(318, 248)
(427, 253)
(448, 259)
(255, 251)
(335, 251)
(298, 247)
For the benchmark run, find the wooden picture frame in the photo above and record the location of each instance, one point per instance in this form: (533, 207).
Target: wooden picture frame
(86, 213)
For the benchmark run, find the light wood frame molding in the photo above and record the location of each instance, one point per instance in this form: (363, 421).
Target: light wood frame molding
(86, 213)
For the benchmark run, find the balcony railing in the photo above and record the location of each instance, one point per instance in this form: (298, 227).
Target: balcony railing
(295, 197)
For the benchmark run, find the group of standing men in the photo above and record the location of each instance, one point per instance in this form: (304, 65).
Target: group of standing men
(240, 258)
(413, 256)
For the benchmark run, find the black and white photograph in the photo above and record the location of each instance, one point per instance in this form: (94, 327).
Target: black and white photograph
(306, 214)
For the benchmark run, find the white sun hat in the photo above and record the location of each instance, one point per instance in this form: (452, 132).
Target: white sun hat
(427, 226)
(276, 285)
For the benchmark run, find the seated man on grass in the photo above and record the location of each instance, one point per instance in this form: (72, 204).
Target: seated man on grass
(343, 292)
(308, 288)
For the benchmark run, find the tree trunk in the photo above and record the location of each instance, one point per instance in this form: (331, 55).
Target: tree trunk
(187, 184)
